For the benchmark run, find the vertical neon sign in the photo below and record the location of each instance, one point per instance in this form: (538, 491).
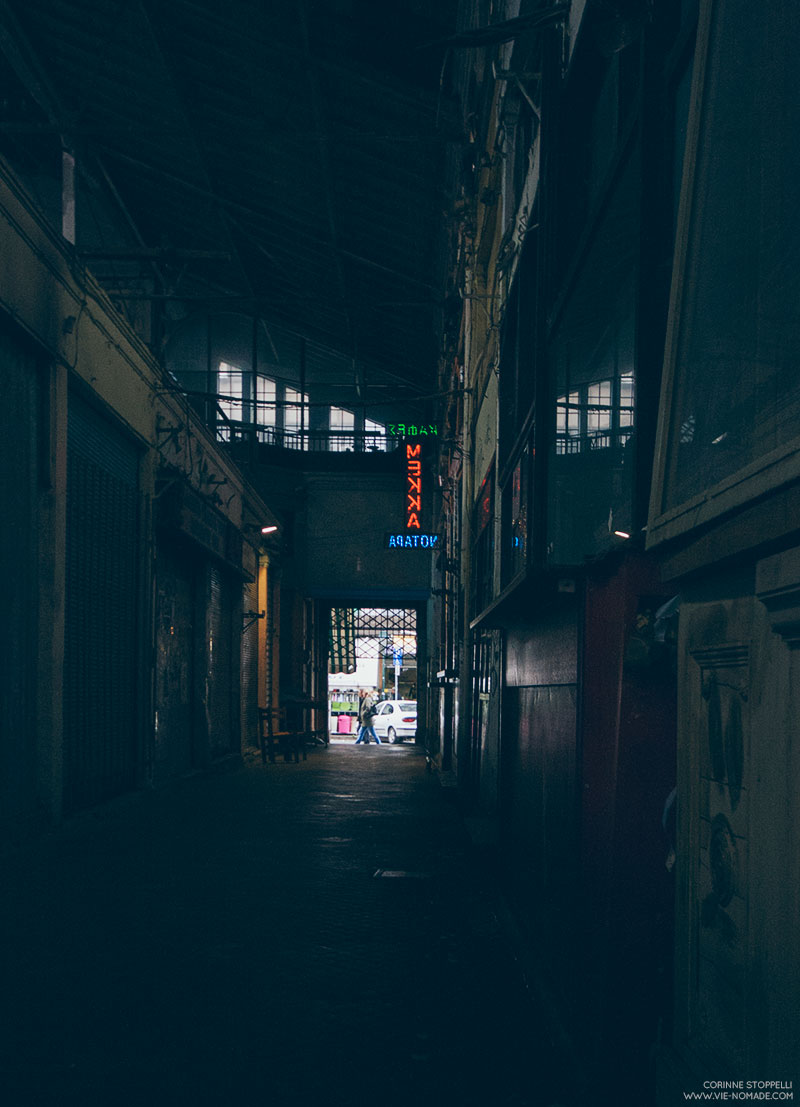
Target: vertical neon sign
(414, 489)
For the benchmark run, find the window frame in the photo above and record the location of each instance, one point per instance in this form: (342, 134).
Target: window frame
(295, 437)
(578, 403)
(228, 405)
(773, 468)
(342, 438)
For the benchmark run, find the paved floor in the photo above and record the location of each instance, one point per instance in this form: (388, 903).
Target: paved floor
(272, 935)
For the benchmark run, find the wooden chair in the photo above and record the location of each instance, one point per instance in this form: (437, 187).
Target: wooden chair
(273, 730)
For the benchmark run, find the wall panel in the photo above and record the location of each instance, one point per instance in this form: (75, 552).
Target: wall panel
(18, 564)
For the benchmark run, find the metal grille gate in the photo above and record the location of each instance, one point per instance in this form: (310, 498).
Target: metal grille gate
(381, 630)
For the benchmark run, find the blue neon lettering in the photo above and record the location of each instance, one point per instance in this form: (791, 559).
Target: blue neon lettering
(412, 541)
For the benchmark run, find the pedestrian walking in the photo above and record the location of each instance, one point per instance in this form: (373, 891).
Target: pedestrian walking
(366, 714)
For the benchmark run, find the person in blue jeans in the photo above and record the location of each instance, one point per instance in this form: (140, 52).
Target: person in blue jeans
(365, 715)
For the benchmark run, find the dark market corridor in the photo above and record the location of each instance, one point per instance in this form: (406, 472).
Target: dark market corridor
(231, 940)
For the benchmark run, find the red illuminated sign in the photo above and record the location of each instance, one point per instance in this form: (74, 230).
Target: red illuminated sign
(414, 489)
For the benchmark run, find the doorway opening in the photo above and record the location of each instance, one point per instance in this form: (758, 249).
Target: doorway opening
(373, 649)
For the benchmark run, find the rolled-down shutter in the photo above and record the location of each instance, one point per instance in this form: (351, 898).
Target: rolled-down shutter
(222, 703)
(100, 661)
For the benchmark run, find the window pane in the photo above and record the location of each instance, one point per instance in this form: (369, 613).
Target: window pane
(625, 404)
(229, 391)
(598, 419)
(590, 478)
(735, 390)
(600, 393)
(292, 418)
(341, 420)
(374, 435)
(266, 394)
(266, 412)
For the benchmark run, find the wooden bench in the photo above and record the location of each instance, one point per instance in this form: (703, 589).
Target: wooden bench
(273, 730)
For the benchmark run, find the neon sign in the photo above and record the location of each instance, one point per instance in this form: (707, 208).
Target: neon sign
(411, 430)
(414, 489)
(410, 541)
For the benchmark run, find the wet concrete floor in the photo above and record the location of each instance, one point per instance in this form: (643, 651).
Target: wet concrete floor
(276, 935)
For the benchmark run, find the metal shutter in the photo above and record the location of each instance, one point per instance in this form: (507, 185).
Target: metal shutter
(100, 662)
(223, 713)
(175, 647)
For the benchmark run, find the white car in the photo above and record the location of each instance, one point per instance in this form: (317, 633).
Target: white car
(396, 719)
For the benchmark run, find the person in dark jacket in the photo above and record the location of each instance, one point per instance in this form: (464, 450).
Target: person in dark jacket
(366, 714)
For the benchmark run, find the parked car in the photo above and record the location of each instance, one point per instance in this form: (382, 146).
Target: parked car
(396, 719)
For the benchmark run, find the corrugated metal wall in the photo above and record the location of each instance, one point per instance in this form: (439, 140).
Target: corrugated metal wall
(100, 663)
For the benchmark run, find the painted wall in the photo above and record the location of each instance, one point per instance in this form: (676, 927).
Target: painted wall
(627, 742)
(738, 914)
(485, 440)
(341, 537)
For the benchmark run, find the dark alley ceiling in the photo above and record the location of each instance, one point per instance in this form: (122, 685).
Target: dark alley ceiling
(286, 154)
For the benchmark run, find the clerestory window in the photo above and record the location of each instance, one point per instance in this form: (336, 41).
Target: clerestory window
(230, 401)
(374, 435)
(266, 411)
(341, 421)
(293, 419)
